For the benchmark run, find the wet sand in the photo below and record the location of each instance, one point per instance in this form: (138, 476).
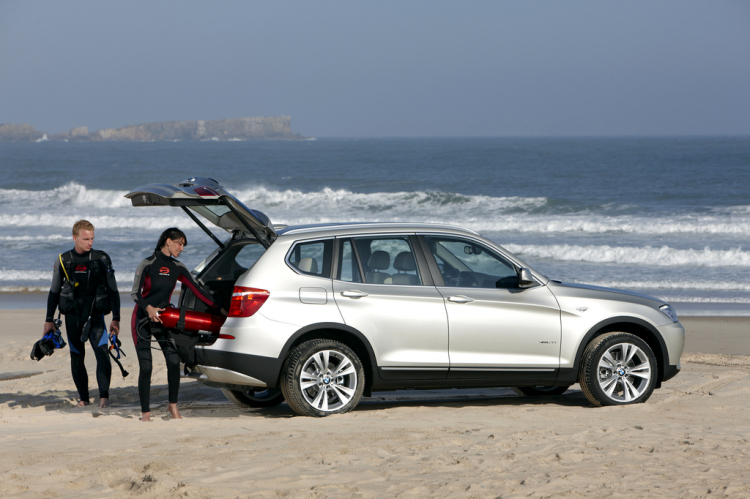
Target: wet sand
(689, 440)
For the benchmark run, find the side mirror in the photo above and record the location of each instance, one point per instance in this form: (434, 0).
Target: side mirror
(525, 279)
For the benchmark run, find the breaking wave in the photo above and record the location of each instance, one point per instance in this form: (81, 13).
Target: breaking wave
(648, 255)
(72, 194)
(108, 209)
(675, 285)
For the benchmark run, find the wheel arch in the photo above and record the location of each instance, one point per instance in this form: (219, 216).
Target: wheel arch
(338, 332)
(635, 326)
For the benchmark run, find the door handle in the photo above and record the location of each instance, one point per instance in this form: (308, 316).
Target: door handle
(460, 299)
(354, 294)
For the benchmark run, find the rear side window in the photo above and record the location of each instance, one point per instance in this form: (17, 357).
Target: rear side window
(388, 260)
(348, 267)
(312, 258)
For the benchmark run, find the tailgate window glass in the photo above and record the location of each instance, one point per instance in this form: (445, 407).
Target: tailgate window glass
(248, 255)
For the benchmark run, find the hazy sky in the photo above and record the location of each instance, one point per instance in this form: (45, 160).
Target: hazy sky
(388, 68)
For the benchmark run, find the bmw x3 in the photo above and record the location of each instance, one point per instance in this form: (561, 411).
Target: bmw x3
(321, 315)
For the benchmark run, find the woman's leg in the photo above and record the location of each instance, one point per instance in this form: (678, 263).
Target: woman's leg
(143, 351)
(173, 372)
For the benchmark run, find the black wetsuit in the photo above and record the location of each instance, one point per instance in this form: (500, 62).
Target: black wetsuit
(87, 271)
(155, 280)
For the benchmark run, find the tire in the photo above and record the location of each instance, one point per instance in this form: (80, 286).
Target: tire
(254, 398)
(606, 380)
(310, 383)
(540, 391)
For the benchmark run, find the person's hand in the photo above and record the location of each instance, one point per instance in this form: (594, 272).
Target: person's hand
(153, 313)
(48, 326)
(223, 312)
(114, 327)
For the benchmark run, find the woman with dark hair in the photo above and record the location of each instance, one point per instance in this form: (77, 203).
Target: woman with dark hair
(155, 280)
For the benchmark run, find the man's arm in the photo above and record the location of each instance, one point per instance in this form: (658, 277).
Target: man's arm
(53, 299)
(114, 293)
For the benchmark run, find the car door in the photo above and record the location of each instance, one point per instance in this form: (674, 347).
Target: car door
(384, 290)
(210, 200)
(496, 328)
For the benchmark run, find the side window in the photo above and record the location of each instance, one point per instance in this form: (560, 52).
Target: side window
(388, 260)
(466, 264)
(348, 268)
(312, 258)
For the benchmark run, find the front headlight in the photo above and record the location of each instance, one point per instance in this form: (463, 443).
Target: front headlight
(669, 312)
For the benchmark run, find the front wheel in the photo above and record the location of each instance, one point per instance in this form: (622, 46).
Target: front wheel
(617, 369)
(537, 391)
(322, 377)
(254, 398)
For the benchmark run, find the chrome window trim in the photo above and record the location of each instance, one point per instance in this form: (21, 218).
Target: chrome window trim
(399, 368)
(305, 241)
(515, 369)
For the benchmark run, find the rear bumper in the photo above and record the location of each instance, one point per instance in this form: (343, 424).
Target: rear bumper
(670, 372)
(224, 367)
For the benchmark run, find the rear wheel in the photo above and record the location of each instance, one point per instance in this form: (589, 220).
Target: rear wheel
(537, 391)
(322, 377)
(617, 369)
(253, 398)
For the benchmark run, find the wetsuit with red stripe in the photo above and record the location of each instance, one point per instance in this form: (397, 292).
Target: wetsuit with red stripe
(155, 280)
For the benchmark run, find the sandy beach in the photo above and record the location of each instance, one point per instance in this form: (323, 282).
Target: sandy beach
(689, 440)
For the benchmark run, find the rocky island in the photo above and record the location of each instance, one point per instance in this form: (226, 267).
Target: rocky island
(258, 128)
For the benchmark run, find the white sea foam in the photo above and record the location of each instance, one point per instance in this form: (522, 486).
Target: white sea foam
(125, 277)
(26, 275)
(662, 256)
(57, 207)
(72, 194)
(677, 284)
(701, 299)
(54, 237)
(99, 221)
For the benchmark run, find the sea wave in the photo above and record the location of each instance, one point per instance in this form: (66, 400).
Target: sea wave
(72, 194)
(674, 285)
(56, 237)
(26, 276)
(99, 221)
(108, 209)
(662, 256)
(703, 299)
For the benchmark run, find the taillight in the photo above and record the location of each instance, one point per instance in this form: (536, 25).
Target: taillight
(246, 301)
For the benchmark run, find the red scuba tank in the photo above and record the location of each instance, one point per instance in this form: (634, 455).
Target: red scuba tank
(194, 321)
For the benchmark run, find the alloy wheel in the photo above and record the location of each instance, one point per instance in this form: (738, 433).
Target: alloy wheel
(624, 372)
(328, 380)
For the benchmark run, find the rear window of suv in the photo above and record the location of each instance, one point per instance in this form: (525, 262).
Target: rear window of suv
(312, 257)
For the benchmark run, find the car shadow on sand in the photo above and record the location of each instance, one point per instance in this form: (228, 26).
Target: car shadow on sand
(197, 401)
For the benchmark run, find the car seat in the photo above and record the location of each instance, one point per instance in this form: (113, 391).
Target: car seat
(379, 260)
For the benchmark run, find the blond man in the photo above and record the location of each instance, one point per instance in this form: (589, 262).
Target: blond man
(84, 290)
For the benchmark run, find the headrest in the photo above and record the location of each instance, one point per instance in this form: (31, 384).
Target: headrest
(309, 265)
(405, 261)
(379, 260)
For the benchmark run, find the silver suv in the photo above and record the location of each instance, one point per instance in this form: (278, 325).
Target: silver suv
(321, 315)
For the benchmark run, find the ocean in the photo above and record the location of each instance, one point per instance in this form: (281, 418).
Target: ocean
(669, 217)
